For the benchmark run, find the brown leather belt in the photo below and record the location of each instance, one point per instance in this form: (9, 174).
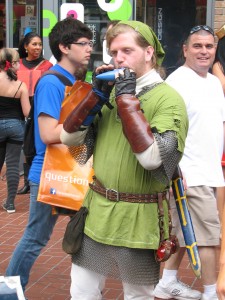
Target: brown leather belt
(116, 196)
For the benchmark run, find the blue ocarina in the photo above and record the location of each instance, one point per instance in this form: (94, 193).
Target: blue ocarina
(109, 76)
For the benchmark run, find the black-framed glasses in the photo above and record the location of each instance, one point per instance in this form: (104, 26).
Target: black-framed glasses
(84, 44)
(201, 27)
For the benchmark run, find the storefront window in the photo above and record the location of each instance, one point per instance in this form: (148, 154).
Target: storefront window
(97, 21)
(22, 14)
(97, 16)
(172, 20)
(2, 24)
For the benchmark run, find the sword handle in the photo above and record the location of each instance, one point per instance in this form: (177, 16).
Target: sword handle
(177, 173)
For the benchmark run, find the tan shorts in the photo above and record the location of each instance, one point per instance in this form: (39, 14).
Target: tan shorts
(203, 209)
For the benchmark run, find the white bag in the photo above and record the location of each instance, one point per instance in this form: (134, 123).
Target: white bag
(11, 286)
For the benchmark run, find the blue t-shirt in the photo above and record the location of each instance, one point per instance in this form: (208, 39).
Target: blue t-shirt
(48, 98)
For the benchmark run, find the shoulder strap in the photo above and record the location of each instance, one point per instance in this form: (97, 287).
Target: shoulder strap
(148, 88)
(61, 77)
(18, 89)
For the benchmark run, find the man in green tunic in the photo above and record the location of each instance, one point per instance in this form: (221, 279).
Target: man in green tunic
(139, 140)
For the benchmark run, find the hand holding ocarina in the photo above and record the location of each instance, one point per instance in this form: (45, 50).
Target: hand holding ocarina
(109, 76)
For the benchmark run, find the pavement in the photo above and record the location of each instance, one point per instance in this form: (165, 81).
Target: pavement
(50, 275)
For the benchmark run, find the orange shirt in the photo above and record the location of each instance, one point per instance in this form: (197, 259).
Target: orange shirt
(31, 76)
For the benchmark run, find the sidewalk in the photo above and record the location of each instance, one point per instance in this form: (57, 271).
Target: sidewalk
(50, 276)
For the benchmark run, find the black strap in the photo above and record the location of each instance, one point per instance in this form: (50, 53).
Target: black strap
(18, 89)
(147, 88)
(61, 77)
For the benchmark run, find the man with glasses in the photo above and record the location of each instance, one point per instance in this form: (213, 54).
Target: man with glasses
(200, 164)
(71, 45)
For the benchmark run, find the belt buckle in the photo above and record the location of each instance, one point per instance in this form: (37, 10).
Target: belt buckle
(112, 190)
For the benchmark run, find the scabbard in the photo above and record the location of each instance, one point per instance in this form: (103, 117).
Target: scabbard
(186, 222)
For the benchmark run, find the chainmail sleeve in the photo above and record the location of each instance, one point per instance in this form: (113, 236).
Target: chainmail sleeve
(170, 156)
(83, 152)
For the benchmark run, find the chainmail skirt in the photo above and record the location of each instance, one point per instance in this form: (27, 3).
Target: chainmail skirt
(133, 266)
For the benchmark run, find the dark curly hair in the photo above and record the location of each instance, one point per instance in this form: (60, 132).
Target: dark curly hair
(66, 32)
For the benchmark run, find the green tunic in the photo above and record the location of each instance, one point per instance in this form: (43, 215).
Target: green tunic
(125, 224)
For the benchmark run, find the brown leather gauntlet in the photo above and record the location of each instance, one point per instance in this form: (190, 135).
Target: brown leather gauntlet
(135, 127)
(80, 112)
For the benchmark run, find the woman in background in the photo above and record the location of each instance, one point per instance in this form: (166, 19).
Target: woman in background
(218, 69)
(32, 66)
(31, 60)
(14, 107)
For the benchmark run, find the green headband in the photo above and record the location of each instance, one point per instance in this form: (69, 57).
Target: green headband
(149, 35)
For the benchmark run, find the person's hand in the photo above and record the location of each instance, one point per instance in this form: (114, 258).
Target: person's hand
(184, 181)
(221, 283)
(102, 87)
(125, 82)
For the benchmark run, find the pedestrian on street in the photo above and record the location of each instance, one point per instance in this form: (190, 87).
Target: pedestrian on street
(140, 137)
(200, 164)
(71, 43)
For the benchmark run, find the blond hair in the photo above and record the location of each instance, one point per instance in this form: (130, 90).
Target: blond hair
(7, 57)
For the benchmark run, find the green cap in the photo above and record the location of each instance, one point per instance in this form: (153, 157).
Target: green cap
(149, 35)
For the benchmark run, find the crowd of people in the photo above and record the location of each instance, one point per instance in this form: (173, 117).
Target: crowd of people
(151, 126)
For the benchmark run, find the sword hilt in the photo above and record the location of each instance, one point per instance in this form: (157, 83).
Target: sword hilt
(177, 173)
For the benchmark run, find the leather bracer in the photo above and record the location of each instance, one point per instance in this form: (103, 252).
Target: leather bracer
(80, 112)
(135, 126)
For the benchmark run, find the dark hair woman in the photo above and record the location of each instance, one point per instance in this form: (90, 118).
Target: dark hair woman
(32, 66)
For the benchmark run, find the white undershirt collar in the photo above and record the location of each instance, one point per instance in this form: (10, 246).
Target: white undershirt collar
(151, 77)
